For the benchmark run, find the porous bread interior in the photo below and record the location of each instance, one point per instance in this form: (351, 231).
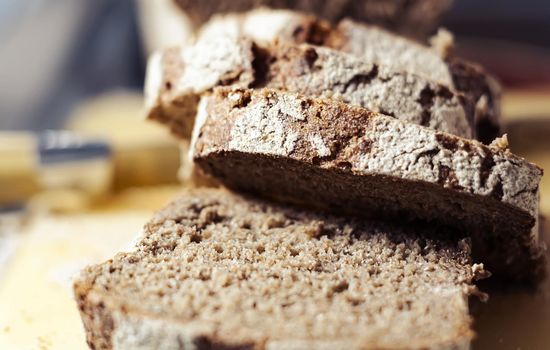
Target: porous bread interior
(221, 269)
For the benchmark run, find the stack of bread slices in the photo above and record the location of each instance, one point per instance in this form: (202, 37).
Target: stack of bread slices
(361, 190)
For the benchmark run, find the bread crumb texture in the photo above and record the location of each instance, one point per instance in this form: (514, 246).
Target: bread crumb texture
(216, 270)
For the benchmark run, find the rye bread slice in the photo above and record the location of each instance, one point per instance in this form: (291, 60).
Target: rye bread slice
(182, 75)
(176, 78)
(332, 156)
(215, 270)
(376, 44)
(416, 18)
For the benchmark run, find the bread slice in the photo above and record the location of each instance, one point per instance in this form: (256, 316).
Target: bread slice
(175, 78)
(416, 18)
(375, 44)
(379, 45)
(216, 270)
(305, 68)
(319, 71)
(333, 156)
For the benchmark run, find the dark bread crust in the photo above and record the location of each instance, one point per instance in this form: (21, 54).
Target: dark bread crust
(402, 64)
(378, 45)
(336, 157)
(307, 69)
(96, 315)
(472, 79)
(209, 245)
(316, 71)
(177, 77)
(466, 77)
(166, 103)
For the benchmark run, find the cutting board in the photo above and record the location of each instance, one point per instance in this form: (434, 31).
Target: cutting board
(37, 310)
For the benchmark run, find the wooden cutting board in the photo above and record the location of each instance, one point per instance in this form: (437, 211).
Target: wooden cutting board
(37, 310)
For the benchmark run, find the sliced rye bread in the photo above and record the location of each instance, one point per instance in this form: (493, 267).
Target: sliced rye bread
(416, 18)
(376, 44)
(177, 78)
(215, 270)
(332, 156)
(320, 71)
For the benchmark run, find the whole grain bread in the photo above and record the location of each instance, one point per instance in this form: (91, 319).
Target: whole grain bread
(375, 44)
(215, 270)
(319, 71)
(416, 18)
(336, 157)
(175, 78)
(312, 70)
(379, 45)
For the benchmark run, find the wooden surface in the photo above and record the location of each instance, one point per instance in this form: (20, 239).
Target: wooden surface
(520, 319)
(37, 310)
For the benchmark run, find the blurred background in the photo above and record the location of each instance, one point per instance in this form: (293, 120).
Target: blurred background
(79, 66)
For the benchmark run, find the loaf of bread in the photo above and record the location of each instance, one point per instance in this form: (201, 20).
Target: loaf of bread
(182, 75)
(332, 156)
(214, 270)
(383, 208)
